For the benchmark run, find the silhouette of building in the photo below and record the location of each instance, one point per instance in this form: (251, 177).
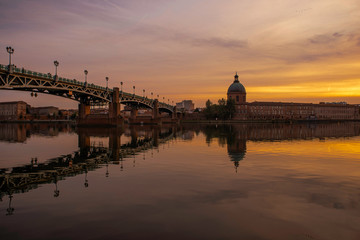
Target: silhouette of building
(12, 110)
(288, 111)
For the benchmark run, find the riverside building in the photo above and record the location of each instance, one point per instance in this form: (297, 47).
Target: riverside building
(287, 110)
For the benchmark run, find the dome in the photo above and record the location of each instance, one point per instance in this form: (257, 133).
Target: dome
(236, 86)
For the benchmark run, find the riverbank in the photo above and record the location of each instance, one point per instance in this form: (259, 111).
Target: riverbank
(40, 121)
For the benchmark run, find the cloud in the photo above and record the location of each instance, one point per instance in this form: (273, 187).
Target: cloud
(325, 38)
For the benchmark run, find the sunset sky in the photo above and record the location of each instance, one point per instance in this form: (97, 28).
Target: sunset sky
(294, 51)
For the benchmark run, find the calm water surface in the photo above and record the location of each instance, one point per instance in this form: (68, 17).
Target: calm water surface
(244, 181)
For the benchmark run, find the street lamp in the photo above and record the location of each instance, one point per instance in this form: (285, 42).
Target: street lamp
(86, 73)
(10, 50)
(56, 63)
(134, 90)
(121, 83)
(107, 80)
(143, 93)
(151, 95)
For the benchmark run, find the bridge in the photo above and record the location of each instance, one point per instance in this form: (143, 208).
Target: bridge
(20, 79)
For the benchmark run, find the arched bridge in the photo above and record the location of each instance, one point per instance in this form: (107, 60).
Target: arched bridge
(12, 78)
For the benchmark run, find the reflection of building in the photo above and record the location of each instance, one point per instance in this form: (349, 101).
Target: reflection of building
(288, 111)
(12, 110)
(13, 132)
(236, 149)
(186, 105)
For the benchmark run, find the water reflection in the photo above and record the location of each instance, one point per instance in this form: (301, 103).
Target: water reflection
(246, 181)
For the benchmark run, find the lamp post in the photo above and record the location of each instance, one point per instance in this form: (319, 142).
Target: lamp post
(10, 50)
(158, 96)
(56, 63)
(134, 90)
(86, 73)
(121, 83)
(143, 93)
(107, 80)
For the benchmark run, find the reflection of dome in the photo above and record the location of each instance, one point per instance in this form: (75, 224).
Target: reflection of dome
(236, 151)
(236, 156)
(236, 86)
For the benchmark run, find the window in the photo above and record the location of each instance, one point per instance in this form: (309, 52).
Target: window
(237, 98)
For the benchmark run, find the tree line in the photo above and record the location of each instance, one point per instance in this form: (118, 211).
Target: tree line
(224, 110)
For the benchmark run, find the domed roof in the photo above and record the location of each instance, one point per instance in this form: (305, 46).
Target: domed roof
(236, 86)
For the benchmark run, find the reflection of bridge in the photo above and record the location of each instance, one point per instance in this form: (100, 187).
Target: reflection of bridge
(12, 78)
(88, 158)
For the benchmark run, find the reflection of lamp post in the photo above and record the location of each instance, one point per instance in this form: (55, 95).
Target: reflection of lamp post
(86, 184)
(10, 210)
(107, 170)
(107, 80)
(56, 63)
(56, 191)
(86, 73)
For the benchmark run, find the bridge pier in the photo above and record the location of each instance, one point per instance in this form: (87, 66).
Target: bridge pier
(155, 109)
(133, 115)
(113, 118)
(84, 110)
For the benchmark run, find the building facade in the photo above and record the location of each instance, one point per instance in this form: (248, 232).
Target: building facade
(12, 110)
(186, 105)
(279, 111)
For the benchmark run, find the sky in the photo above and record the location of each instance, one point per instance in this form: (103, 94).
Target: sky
(289, 51)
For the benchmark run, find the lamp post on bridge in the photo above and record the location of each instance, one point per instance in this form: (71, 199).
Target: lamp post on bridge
(86, 73)
(56, 63)
(10, 50)
(107, 80)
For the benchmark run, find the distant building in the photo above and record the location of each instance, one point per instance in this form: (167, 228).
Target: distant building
(45, 111)
(12, 110)
(186, 105)
(288, 111)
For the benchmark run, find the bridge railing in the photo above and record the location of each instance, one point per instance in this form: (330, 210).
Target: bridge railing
(51, 77)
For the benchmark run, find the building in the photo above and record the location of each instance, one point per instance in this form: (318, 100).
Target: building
(282, 111)
(12, 110)
(45, 111)
(186, 105)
